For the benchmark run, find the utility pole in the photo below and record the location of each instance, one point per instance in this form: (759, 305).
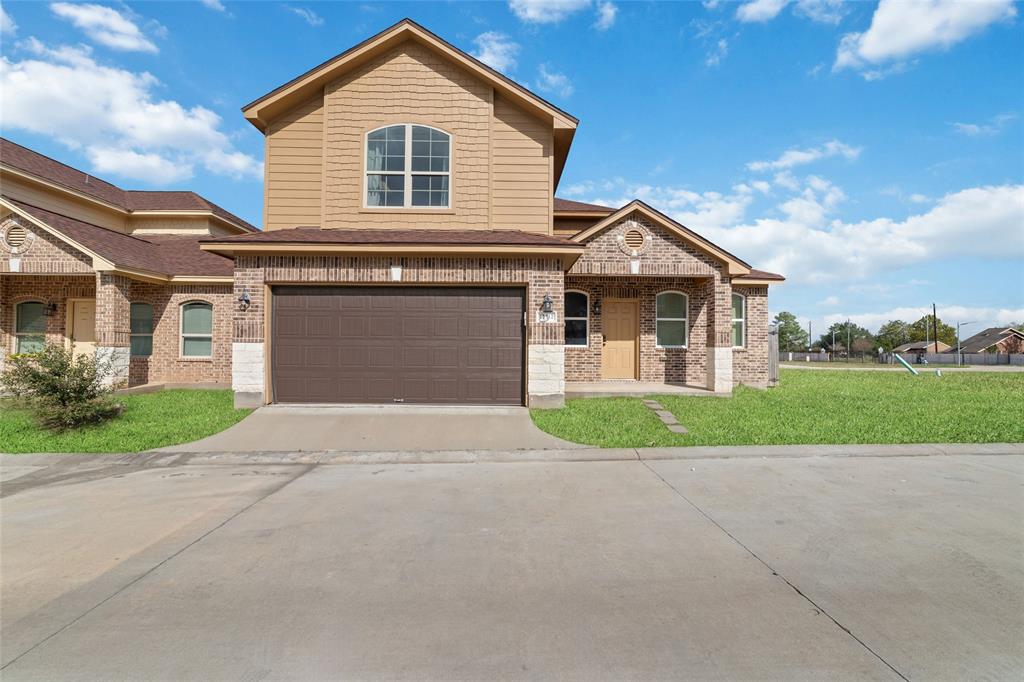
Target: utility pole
(810, 342)
(847, 339)
(935, 328)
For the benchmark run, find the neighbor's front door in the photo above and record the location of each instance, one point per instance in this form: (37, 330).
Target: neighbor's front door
(82, 328)
(621, 322)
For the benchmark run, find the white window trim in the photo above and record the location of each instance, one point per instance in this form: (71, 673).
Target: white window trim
(684, 320)
(16, 337)
(566, 318)
(742, 320)
(408, 172)
(150, 334)
(182, 335)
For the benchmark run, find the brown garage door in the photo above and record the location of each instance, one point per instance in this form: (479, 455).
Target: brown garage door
(397, 344)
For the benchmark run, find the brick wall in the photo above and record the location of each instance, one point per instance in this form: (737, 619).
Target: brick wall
(686, 365)
(56, 289)
(41, 253)
(540, 276)
(750, 363)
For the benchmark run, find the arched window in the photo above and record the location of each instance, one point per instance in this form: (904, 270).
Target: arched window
(408, 166)
(196, 330)
(672, 313)
(29, 327)
(739, 320)
(577, 319)
(142, 330)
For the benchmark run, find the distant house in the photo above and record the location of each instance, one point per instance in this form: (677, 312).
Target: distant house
(922, 347)
(995, 340)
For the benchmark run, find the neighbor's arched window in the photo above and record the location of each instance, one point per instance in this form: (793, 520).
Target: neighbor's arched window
(141, 330)
(408, 166)
(577, 320)
(739, 320)
(196, 329)
(29, 327)
(671, 311)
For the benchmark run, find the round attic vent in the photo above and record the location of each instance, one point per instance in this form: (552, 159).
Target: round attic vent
(16, 236)
(634, 239)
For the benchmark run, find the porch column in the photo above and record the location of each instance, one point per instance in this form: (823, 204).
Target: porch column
(719, 343)
(113, 324)
(248, 343)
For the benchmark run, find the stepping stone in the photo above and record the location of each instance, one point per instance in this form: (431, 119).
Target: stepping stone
(653, 404)
(666, 416)
(676, 428)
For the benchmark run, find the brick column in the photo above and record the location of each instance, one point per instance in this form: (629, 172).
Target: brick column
(113, 324)
(545, 344)
(248, 361)
(719, 343)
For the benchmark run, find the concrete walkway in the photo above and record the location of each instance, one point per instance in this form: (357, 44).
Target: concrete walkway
(396, 428)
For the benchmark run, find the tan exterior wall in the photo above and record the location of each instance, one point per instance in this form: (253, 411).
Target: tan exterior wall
(567, 227)
(521, 164)
(57, 201)
(409, 84)
(143, 225)
(293, 193)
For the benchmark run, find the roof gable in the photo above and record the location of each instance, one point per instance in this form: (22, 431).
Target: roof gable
(734, 266)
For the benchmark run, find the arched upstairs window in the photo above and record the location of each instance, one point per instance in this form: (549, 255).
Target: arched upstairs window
(196, 330)
(29, 327)
(408, 166)
(672, 325)
(739, 320)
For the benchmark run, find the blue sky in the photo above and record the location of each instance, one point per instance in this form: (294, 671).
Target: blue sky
(873, 153)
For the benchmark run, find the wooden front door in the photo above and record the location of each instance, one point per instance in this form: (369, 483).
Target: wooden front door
(82, 325)
(621, 320)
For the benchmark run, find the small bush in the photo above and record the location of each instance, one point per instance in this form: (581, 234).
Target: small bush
(63, 391)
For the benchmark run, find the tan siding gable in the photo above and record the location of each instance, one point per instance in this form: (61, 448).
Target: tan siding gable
(58, 201)
(294, 175)
(410, 84)
(521, 160)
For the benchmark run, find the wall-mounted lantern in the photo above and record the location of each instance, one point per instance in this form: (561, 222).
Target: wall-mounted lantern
(546, 306)
(243, 301)
(50, 309)
(595, 307)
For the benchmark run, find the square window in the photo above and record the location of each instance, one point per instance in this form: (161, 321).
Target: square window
(671, 333)
(575, 332)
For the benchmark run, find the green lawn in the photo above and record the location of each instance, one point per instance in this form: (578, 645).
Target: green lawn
(150, 420)
(812, 407)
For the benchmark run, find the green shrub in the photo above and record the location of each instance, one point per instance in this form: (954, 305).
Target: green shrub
(60, 389)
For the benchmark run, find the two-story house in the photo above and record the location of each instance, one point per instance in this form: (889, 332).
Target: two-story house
(413, 251)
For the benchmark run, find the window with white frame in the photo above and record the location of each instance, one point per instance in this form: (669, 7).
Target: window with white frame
(672, 317)
(408, 166)
(577, 320)
(141, 330)
(739, 320)
(196, 329)
(29, 327)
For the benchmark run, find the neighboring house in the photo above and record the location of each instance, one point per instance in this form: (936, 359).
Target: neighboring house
(413, 251)
(922, 347)
(994, 340)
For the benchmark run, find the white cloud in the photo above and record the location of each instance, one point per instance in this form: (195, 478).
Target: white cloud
(496, 50)
(554, 82)
(715, 56)
(759, 11)
(216, 5)
(7, 25)
(122, 126)
(545, 11)
(606, 13)
(105, 26)
(685, 205)
(901, 29)
(993, 127)
(308, 15)
(830, 301)
(786, 180)
(761, 186)
(798, 157)
(822, 11)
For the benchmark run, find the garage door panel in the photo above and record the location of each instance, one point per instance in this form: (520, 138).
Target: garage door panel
(408, 344)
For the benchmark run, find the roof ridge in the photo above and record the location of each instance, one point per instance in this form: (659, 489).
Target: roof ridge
(120, 189)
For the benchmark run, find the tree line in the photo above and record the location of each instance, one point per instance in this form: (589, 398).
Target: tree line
(793, 336)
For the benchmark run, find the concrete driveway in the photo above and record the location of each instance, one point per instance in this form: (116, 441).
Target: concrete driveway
(387, 428)
(726, 569)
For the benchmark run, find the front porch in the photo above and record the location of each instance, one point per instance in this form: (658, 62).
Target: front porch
(614, 388)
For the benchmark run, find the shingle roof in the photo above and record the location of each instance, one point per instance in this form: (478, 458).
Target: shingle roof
(570, 205)
(760, 274)
(921, 346)
(34, 163)
(163, 254)
(986, 338)
(423, 237)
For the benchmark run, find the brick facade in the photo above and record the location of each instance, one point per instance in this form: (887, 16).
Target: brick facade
(750, 363)
(41, 253)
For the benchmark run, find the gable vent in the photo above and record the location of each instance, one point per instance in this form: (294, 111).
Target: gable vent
(15, 236)
(634, 239)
